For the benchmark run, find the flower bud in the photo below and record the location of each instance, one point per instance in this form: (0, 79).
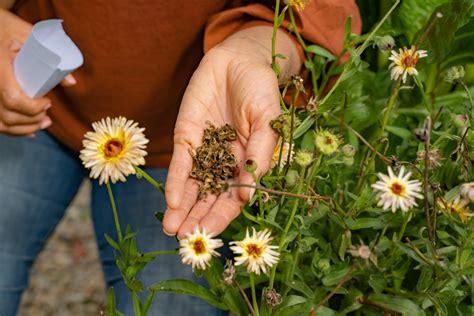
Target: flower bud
(385, 43)
(460, 120)
(348, 161)
(250, 165)
(348, 150)
(324, 264)
(292, 178)
(304, 158)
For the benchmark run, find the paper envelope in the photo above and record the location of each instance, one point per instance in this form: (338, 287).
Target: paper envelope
(47, 56)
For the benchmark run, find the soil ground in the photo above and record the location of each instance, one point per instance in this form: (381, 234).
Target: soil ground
(67, 279)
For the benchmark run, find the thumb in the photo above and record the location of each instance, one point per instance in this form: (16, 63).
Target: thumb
(260, 148)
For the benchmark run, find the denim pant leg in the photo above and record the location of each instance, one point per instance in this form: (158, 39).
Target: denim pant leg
(38, 179)
(137, 200)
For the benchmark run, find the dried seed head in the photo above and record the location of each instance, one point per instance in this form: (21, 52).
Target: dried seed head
(348, 150)
(272, 297)
(434, 157)
(454, 74)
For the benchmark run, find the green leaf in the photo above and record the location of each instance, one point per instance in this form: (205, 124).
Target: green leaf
(362, 223)
(147, 303)
(399, 131)
(303, 127)
(301, 287)
(188, 287)
(377, 282)
(320, 51)
(111, 242)
(397, 304)
(111, 303)
(335, 276)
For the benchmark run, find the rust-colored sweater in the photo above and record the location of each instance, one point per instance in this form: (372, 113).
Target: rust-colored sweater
(140, 54)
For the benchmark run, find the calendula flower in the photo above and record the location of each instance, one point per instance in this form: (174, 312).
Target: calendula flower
(198, 248)
(457, 206)
(327, 142)
(298, 4)
(284, 154)
(397, 191)
(404, 62)
(467, 191)
(113, 149)
(255, 251)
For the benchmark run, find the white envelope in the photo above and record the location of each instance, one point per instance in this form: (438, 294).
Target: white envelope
(46, 58)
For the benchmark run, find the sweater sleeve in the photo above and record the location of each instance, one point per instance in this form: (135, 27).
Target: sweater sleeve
(321, 22)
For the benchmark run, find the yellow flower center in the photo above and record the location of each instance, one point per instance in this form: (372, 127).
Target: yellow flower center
(254, 250)
(113, 148)
(199, 246)
(397, 188)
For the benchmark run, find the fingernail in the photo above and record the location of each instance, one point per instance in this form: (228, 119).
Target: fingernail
(46, 123)
(168, 234)
(252, 191)
(47, 106)
(70, 80)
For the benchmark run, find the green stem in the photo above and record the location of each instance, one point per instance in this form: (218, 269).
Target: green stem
(136, 304)
(275, 28)
(163, 252)
(388, 109)
(406, 219)
(144, 174)
(465, 87)
(254, 295)
(114, 209)
(288, 225)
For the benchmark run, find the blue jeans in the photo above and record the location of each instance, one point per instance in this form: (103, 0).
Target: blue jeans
(38, 179)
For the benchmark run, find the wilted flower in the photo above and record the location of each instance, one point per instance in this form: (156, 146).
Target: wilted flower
(229, 272)
(304, 158)
(255, 251)
(467, 191)
(404, 62)
(363, 252)
(198, 248)
(397, 191)
(284, 154)
(113, 149)
(434, 157)
(298, 4)
(458, 206)
(385, 42)
(326, 142)
(454, 74)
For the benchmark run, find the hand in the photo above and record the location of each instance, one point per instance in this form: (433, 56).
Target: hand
(233, 84)
(19, 114)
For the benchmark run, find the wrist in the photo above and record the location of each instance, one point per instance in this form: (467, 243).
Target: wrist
(255, 44)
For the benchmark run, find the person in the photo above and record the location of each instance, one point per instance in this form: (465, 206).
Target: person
(169, 65)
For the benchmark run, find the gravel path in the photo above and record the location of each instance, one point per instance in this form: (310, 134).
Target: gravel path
(67, 279)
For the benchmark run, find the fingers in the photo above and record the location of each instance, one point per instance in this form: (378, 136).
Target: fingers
(69, 81)
(21, 130)
(200, 209)
(174, 217)
(260, 149)
(224, 211)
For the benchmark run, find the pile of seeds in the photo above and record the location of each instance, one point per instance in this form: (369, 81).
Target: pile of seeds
(214, 163)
